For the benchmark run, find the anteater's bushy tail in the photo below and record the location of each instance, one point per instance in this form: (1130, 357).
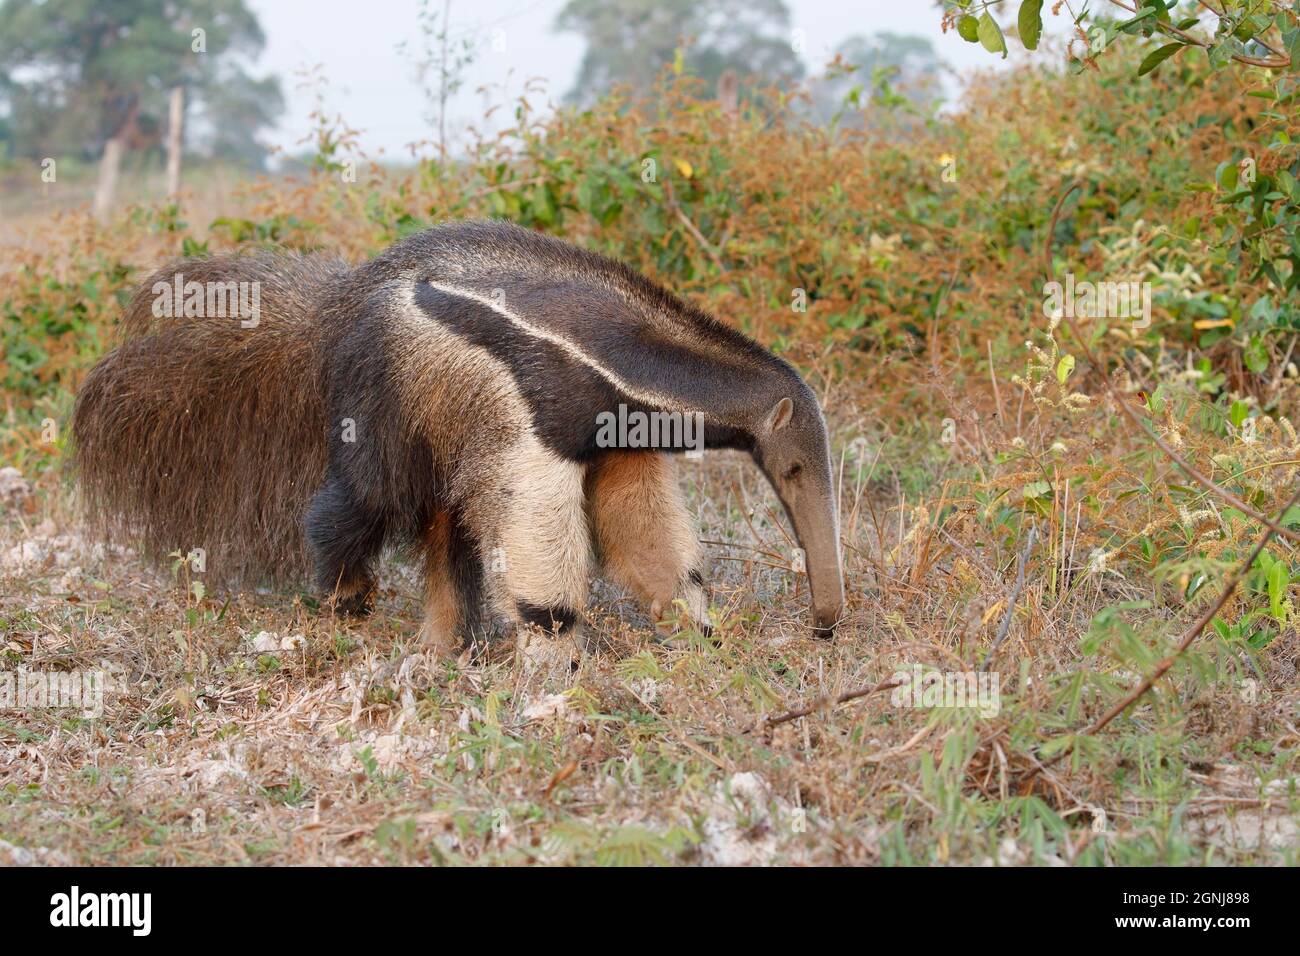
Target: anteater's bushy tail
(200, 432)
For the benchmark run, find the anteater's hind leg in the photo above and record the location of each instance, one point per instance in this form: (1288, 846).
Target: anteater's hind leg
(453, 586)
(345, 538)
(644, 533)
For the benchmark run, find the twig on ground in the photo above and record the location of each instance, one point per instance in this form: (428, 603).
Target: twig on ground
(820, 703)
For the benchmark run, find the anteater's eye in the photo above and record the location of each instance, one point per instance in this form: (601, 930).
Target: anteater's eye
(795, 471)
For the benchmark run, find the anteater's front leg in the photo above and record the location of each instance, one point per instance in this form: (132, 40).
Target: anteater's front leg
(644, 533)
(546, 550)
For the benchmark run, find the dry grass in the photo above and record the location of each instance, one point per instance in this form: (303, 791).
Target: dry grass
(253, 729)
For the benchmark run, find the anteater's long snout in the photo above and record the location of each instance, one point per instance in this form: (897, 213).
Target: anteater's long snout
(817, 527)
(826, 576)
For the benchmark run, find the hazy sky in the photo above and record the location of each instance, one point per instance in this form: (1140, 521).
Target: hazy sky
(374, 87)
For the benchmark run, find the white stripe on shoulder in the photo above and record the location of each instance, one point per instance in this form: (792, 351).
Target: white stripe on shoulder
(653, 399)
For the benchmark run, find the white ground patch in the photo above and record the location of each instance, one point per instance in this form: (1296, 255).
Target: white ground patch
(1253, 815)
(46, 548)
(269, 642)
(747, 824)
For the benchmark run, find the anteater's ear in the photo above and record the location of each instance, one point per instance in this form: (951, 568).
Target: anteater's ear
(779, 416)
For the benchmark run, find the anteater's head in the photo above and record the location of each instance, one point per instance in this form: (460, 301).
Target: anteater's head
(791, 447)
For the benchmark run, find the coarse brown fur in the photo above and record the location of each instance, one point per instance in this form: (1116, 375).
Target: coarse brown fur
(194, 433)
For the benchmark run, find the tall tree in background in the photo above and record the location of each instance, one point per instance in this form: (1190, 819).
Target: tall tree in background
(904, 65)
(95, 77)
(233, 111)
(629, 41)
(440, 63)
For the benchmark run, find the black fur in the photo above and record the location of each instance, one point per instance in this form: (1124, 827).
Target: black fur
(564, 395)
(345, 536)
(467, 578)
(554, 619)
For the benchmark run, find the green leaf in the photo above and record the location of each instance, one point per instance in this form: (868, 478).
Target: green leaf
(1237, 413)
(1227, 176)
(1158, 56)
(968, 28)
(1287, 183)
(1256, 355)
(1277, 583)
(1219, 54)
(1162, 12)
(990, 35)
(1036, 489)
(1030, 23)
